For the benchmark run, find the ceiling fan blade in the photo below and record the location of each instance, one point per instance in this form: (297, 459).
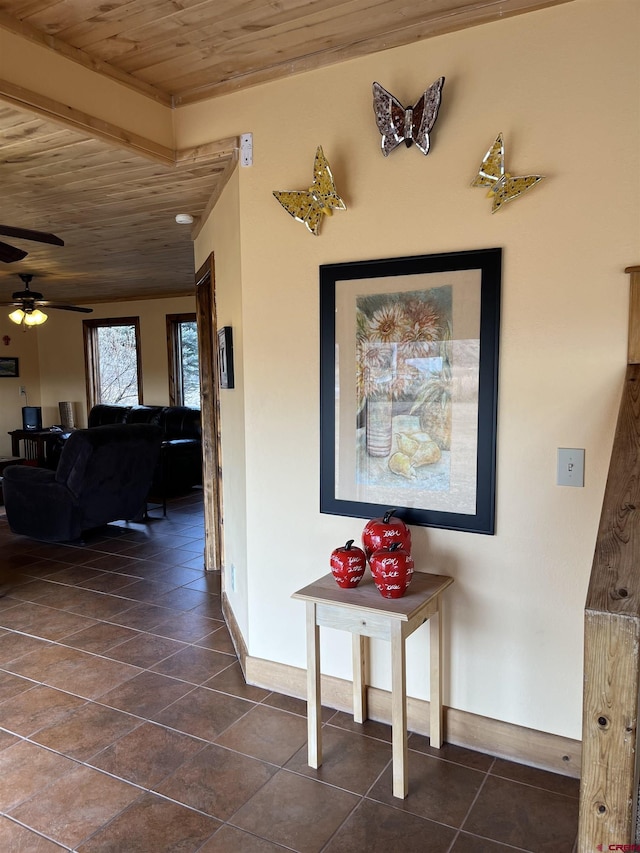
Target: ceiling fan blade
(28, 234)
(9, 254)
(10, 304)
(46, 304)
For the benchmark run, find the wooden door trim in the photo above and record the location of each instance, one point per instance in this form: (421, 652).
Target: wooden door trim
(210, 414)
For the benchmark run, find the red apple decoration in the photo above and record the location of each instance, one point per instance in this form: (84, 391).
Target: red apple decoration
(348, 565)
(380, 533)
(392, 570)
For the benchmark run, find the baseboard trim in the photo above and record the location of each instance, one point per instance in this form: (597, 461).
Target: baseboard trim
(505, 740)
(236, 634)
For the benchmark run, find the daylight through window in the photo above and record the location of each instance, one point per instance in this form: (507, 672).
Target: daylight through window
(112, 354)
(184, 366)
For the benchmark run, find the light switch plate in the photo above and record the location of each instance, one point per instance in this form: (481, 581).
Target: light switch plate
(570, 466)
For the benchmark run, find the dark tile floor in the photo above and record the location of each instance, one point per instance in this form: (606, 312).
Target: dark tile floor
(126, 726)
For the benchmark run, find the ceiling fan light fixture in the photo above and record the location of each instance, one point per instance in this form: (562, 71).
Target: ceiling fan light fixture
(17, 316)
(184, 219)
(35, 318)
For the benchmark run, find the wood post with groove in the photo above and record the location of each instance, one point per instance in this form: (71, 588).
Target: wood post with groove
(609, 780)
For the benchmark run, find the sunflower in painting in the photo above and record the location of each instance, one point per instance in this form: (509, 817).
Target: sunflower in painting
(403, 357)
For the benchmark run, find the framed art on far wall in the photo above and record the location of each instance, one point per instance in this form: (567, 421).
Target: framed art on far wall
(9, 367)
(409, 388)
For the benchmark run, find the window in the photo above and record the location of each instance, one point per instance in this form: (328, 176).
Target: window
(184, 366)
(112, 360)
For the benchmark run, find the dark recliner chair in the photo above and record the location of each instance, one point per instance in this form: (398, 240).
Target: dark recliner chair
(104, 475)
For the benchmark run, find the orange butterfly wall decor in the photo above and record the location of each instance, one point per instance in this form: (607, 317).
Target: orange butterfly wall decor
(503, 187)
(321, 197)
(413, 124)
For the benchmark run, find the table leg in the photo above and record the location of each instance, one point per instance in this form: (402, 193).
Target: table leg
(399, 714)
(358, 656)
(314, 718)
(435, 699)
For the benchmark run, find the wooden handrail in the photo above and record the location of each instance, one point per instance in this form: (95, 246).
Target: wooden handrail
(609, 779)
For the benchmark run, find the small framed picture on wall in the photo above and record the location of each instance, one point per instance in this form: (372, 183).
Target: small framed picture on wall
(9, 367)
(225, 357)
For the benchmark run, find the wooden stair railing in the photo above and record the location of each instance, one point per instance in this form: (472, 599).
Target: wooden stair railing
(609, 778)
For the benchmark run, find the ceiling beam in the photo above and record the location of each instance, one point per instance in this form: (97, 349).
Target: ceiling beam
(26, 99)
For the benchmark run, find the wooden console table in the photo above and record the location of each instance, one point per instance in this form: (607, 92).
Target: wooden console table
(365, 613)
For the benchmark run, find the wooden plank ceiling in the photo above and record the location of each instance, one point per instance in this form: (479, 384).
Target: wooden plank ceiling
(114, 210)
(192, 49)
(113, 207)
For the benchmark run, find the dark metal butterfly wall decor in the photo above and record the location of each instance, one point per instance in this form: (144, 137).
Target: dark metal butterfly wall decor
(406, 124)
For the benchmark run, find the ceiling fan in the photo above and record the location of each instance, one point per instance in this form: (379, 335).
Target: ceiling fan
(9, 254)
(29, 301)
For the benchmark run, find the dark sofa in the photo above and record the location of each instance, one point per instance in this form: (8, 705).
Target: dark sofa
(180, 465)
(103, 475)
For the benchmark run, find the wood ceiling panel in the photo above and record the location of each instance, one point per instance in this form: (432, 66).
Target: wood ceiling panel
(190, 49)
(118, 20)
(281, 44)
(204, 26)
(115, 211)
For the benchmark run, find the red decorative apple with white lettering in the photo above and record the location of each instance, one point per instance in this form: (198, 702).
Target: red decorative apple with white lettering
(348, 565)
(381, 532)
(392, 570)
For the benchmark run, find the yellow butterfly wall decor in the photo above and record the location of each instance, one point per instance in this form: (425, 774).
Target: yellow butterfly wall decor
(413, 124)
(503, 187)
(321, 197)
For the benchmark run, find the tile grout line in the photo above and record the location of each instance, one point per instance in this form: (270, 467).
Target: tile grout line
(472, 804)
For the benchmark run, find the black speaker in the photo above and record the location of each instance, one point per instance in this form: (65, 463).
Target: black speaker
(31, 417)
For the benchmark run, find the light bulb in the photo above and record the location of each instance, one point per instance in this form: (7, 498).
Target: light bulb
(17, 316)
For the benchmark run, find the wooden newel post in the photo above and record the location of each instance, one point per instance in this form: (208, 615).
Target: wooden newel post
(609, 779)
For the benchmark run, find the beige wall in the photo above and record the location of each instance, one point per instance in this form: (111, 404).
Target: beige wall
(223, 230)
(23, 345)
(54, 356)
(563, 85)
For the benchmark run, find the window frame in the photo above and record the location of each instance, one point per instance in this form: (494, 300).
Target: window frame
(91, 360)
(176, 389)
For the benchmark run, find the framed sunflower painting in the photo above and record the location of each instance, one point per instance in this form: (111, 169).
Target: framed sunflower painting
(409, 388)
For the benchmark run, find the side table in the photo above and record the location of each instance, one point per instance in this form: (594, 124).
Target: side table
(365, 613)
(36, 443)
(5, 461)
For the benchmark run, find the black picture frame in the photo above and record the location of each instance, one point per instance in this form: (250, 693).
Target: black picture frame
(413, 340)
(225, 357)
(9, 368)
